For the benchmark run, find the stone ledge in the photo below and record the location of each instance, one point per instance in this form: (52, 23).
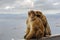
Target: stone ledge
(52, 37)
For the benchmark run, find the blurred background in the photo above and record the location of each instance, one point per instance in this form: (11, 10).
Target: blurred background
(13, 14)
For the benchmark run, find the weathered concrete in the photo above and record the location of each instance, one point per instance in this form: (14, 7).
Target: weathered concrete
(57, 37)
(54, 37)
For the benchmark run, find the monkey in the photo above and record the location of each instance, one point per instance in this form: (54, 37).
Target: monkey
(47, 31)
(35, 27)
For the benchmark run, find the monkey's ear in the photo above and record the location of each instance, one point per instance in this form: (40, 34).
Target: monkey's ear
(28, 13)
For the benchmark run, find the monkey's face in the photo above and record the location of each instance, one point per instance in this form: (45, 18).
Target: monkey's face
(31, 14)
(38, 14)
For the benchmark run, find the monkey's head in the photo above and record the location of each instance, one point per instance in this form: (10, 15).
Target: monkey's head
(38, 14)
(31, 14)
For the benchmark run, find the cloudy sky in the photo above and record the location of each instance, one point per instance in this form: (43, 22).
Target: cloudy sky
(22, 6)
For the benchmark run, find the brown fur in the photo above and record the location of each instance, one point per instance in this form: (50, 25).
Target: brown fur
(45, 23)
(35, 27)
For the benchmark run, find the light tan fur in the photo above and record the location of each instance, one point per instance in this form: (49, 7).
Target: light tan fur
(35, 27)
(45, 23)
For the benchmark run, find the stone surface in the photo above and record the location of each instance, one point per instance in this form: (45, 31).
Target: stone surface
(54, 37)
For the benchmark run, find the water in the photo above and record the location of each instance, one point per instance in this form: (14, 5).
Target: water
(12, 27)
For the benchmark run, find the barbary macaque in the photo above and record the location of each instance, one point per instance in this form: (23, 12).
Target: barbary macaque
(35, 27)
(45, 23)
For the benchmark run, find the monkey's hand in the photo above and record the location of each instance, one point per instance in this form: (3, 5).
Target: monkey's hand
(25, 37)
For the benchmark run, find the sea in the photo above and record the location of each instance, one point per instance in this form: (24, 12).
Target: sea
(13, 26)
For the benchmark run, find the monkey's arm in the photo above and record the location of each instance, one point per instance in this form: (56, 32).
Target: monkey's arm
(27, 32)
(28, 29)
(48, 31)
(48, 28)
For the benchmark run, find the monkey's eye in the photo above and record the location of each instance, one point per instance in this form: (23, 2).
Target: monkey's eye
(38, 15)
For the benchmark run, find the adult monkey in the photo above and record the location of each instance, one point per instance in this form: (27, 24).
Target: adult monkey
(35, 27)
(45, 23)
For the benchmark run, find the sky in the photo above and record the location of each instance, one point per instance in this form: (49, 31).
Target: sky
(22, 6)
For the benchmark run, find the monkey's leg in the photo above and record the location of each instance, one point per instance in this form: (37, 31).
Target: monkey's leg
(39, 34)
(31, 34)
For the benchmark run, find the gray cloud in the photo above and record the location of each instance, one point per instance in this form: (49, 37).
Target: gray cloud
(6, 2)
(20, 5)
(48, 4)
